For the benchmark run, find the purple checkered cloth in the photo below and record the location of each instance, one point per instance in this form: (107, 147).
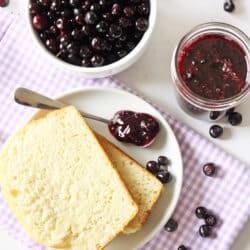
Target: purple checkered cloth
(227, 195)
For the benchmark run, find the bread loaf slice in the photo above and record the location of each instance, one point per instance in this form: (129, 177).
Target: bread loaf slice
(144, 187)
(61, 185)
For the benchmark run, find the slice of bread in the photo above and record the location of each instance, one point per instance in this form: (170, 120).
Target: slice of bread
(144, 187)
(61, 185)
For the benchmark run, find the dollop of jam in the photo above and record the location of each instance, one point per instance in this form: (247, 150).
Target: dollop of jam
(213, 67)
(136, 128)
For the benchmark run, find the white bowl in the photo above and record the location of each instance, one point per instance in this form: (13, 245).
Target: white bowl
(107, 70)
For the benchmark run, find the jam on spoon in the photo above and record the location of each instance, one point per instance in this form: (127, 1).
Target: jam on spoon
(126, 126)
(136, 128)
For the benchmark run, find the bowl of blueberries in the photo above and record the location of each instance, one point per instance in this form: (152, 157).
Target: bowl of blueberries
(96, 38)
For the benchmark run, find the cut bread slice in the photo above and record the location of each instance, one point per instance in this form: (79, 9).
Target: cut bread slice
(61, 185)
(144, 187)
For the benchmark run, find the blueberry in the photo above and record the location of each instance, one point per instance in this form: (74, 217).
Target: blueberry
(115, 31)
(86, 62)
(215, 131)
(205, 231)
(72, 48)
(79, 19)
(235, 118)
(163, 176)
(74, 59)
(86, 30)
(76, 34)
(129, 12)
(141, 24)
(116, 9)
(131, 45)
(201, 212)
(229, 6)
(90, 17)
(4, 3)
(85, 52)
(75, 3)
(43, 36)
(143, 9)
(121, 53)
(210, 220)
(209, 169)
(163, 160)
(61, 23)
(171, 225)
(123, 37)
(65, 39)
(52, 45)
(152, 167)
(213, 115)
(95, 7)
(86, 5)
(97, 60)
(77, 11)
(124, 22)
(55, 5)
(107, 17)
(39, 22)
(97, 43)
(45, 3)
(33, 8)
(102, 27)
(182, 247)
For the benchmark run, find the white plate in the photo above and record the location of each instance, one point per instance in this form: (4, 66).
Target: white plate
(105, 102)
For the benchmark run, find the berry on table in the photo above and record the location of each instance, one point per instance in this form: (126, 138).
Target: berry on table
(209, 169)
(171, 225)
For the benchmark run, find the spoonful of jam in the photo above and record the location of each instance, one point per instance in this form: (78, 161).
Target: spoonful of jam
(126, 126)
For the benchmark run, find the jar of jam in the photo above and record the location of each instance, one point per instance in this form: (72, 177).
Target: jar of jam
(211, 69)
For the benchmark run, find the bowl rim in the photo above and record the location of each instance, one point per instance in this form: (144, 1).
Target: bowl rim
(109, 69)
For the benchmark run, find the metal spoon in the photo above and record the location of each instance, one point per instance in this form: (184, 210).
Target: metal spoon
(31, 98)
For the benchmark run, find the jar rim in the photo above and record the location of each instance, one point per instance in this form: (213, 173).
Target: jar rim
(228, 31)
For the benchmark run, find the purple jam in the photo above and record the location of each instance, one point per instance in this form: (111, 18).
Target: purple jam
(213, 67)
(136, 128)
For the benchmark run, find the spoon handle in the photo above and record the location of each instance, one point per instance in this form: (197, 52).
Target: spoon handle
(33, 99)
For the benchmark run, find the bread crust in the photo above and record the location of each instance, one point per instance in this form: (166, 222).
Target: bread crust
(128, 229)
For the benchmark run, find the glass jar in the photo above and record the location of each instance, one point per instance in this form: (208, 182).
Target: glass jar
(193, 103)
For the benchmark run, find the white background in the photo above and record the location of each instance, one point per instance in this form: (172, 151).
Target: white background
(151, 76)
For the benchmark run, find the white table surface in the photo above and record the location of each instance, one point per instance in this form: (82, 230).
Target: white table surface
(151, 76)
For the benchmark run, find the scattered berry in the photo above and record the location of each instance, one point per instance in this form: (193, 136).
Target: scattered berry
(163, 160)
(235, 118)
(201, 212)
(4, 3)
(209, 169)
(210, 220)
(171, 225)
(163, 176)
(215, 131)
(182, 247)
(152, 167)
(205, 231)
(229, 6)
(39, 22)
(213, 115)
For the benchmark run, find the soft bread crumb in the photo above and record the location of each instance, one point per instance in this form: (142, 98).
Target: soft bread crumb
(61, 185)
